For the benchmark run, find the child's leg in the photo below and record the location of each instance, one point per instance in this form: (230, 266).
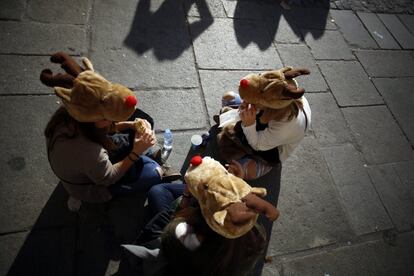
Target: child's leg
(248, 168)
(161, 196)
(140, 177)
(262, 168)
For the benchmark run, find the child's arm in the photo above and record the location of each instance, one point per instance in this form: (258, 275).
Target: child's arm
(122, 126)
(258, 141)
(276, 134)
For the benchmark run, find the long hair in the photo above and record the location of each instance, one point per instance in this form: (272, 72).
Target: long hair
(217, 255)
(61, 118)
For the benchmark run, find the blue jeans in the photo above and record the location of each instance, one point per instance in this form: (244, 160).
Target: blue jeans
(142, 175)
(162, 195)
(160, 199)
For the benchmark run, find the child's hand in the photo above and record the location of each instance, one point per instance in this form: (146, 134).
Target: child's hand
(147, 124)
(247, 114)
(140, 126)
(145, 141)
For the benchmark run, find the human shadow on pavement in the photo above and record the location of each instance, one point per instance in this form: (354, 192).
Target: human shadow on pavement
(270, 181)
(49, 247)
(83, 243)
(165, 30)
(300, 21)
(103, 228)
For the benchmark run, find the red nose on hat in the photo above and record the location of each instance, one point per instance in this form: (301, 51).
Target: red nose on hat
(196, 160)
(244, 83)
(131, 101)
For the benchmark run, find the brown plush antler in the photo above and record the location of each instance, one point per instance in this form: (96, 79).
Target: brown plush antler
(261, 206)
(295, 72)
(293, 92)
(290, 90)
(239, 213)
(61, 80)
(68, 64)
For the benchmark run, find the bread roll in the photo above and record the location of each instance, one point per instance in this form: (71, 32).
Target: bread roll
(140, 126)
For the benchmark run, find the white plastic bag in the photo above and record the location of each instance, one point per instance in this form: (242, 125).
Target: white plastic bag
(231, 116)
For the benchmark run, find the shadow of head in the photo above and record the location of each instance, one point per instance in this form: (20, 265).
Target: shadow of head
(164, 28)
(260, 22)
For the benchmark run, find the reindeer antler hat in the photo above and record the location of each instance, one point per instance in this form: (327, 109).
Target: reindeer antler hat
(229, 205)
(87, 96)
(273, 89)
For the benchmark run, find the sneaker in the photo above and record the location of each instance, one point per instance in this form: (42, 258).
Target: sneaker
(156, 156)
(169, 175)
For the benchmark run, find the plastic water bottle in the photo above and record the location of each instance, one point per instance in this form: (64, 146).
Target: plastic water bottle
(206, 138)
(167, 147)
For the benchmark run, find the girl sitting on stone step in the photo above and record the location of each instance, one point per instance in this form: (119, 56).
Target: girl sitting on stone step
(92, 143)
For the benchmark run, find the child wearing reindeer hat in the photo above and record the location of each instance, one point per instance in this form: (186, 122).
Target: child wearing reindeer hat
(218, 235)
(274, 117)
(93, 165)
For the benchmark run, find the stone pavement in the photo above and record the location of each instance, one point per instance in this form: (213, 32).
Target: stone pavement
(347, 194)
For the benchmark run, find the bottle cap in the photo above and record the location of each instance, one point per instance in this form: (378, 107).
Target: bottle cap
(196, 140)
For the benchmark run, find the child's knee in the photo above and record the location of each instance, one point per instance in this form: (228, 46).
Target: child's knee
(251, 171)
(256, 169)
(155, 191)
